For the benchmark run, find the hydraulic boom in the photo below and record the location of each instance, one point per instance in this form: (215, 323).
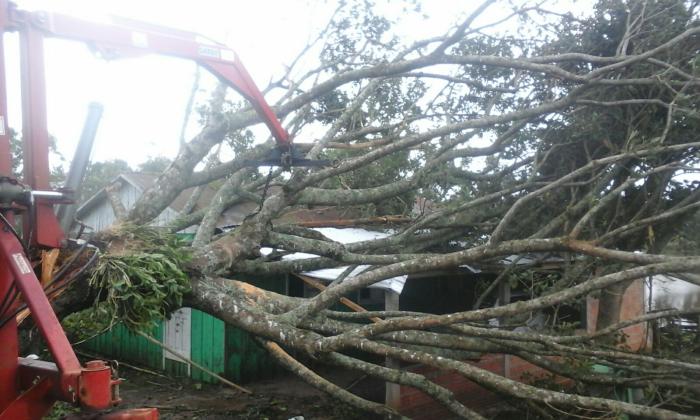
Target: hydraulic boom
(28, 388)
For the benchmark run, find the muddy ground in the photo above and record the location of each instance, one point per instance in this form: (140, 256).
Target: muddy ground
(282, 398)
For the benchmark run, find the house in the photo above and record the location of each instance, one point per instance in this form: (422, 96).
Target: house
(198, 336)
(418, 405)
(97, 212)
(194, 334)
(231, 352)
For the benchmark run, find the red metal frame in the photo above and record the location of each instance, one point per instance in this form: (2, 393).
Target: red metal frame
(47, 322)
(33, 403)
(127, 38)
(123, 38)
(44, 228)
(5, 156)
(28, 388)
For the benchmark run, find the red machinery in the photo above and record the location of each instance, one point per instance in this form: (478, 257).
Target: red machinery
(28, 388)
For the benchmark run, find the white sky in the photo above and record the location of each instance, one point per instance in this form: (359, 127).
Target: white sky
(144, 98)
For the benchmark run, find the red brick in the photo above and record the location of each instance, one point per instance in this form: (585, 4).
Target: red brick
(416, 404)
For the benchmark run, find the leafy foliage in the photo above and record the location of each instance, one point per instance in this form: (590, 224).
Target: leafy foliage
(142, 285)
(61, 410)
(85, 324)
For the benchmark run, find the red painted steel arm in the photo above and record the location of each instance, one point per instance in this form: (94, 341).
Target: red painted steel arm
(127, 37)
(5, 156)
(12, 256)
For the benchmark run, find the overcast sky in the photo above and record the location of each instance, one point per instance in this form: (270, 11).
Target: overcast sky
(144, 98)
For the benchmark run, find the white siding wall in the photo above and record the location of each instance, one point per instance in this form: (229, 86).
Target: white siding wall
(178, 335)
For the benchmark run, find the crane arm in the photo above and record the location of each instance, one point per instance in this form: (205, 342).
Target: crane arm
(28, 388)
(125, 37)
(120, 38)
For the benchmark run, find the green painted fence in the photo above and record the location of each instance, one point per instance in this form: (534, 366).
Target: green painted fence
(122, 344)
(224, 349)
(207, 343)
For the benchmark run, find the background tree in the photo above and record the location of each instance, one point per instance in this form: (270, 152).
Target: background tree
(99, 174)
(154, 165)
(57, 175)
(563, 136)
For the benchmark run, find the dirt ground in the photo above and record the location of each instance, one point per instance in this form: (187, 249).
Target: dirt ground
(282, 398)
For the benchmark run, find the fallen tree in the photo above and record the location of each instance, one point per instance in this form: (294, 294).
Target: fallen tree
(564, 137)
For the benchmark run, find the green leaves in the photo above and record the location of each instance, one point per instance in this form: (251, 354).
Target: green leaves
(147, 283)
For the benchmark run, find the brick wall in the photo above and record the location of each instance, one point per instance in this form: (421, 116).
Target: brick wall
(633, 304)
(416, 404)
